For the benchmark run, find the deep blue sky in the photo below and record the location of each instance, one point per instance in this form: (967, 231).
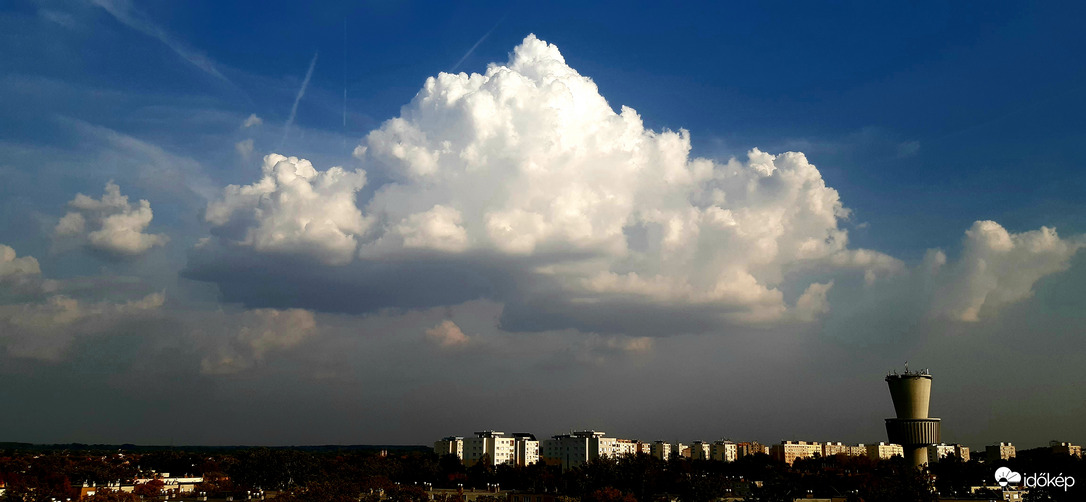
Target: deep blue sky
(992, 96)
(925, 118)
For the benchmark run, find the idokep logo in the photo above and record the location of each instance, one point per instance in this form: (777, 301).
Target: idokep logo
(1005, 476)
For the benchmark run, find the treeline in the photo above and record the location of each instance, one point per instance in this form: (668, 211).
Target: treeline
(407, 476)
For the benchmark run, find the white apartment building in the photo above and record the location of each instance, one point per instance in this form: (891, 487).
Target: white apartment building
(573, 449)
(498, 449)
(937, 452)
(452, 445)
(661, 450)
(699, 450)
(884, 450)
(526, 447)
(1001, 451)
(724, 451)
(830, 449)
(789, 451)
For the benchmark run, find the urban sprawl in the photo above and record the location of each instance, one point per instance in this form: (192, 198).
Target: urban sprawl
(581, 447)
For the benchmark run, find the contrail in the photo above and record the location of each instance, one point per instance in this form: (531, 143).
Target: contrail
(298, 99)
(124, 12)
(472, 49)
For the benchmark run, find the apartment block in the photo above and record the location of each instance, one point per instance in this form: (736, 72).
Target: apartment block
(580, 447)
(937, 452)
(526, 447)
(883, 451)
(699, 450)
(724, 451)
(1001, 451)
(490, 445)
(789, 451)
(452, 445)
(661, 450)
(751, 448)
(626, 447)
(830, 449)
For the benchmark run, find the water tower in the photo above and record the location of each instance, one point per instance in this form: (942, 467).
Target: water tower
(912, 429)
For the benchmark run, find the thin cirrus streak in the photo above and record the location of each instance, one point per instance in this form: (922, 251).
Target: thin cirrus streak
(298, 99)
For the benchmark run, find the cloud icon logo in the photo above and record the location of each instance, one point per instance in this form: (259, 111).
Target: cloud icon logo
(1005, 476)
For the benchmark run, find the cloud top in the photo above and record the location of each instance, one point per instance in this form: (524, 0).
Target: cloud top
(998, 268)
(525, 179)
(294, 209)
(14, 267)
(110, 224)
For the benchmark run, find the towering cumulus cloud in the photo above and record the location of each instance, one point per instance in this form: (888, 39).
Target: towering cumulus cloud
(524, 185)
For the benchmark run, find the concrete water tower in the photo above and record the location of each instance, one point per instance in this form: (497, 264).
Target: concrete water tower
(912, 429)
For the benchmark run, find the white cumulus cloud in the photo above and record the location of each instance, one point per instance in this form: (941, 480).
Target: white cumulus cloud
(997, 268)
(525, 186)
(294, 209)
(110, 224)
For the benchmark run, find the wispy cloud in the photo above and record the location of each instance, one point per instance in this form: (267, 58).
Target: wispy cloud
(298, 99)
(124, 12)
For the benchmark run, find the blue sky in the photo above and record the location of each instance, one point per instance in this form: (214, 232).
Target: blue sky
(936, 214)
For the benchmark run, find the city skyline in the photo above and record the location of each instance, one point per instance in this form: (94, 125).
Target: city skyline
(377, 223)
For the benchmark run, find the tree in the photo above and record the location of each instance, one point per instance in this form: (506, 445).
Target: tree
(151, 488)
(609, 494)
